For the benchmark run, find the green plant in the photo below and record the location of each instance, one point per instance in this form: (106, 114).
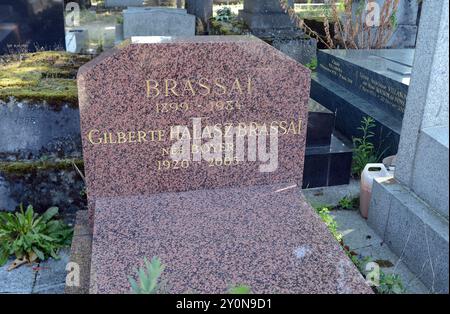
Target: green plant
(364, 150)
(387, 283)
(30, 236)
(312, 65)
(324, 214)
(149, 277)
(224, 14)
(83, 191)
(239, 289)
(150, 282)
(359, 261)
(390, 284)
(346, 203)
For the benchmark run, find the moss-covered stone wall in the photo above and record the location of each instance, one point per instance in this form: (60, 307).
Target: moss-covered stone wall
(42, 76)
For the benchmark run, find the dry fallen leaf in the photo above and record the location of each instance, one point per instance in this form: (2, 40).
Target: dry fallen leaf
(16, 263)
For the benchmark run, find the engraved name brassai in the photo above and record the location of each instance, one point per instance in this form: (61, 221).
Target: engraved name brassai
(157, 91)
(201, 86)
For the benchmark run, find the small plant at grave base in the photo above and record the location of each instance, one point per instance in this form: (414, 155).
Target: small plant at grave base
(359, 260)
(387, 283)
(355, 202)
(364, 151)
(390, 284)
(31, 237)
(239, 289)
(346, 203)
(312, 65)
(225, 22)
(149, 280)
(149, 277)
(324, 214)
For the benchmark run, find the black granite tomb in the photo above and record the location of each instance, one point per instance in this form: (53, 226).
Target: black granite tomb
(370, 75)
(328, 155)
(359, 83)
(29, 25)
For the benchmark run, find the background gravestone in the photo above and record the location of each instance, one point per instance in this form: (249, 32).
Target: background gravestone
(157, 22)
(123, 3)
(211, 225)
(27, 25)
(138, 3)
(407, 21)
(202, 9)
(266, 17)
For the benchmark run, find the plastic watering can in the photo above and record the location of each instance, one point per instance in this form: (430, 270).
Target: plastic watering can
(370, 172)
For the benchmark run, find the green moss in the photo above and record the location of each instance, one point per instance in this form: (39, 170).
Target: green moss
(42, 76)
(24, 167)
(231, 27)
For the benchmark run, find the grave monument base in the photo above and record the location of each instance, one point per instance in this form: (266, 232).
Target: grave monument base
(268, 21)
(80, 253)
(328, 155)
(412, 229)
(212, 224)
(267, 237)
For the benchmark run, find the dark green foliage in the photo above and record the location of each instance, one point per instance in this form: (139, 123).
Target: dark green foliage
(364, 151)
(30, 236)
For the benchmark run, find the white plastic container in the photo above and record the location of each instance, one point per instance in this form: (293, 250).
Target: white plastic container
(370, 172)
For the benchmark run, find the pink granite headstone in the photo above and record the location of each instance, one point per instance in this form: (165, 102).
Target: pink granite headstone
(166, 176)
(132, 99)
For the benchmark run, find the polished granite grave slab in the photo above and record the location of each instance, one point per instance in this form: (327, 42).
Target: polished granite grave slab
(328, 155)
(328, 165)
(351, 109)
(378, 76)
(267, 237)
(320, 124)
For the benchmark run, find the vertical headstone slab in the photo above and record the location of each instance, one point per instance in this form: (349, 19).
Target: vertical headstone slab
(135, 98)
(265, 16)
(29, 25)
(150, 21)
